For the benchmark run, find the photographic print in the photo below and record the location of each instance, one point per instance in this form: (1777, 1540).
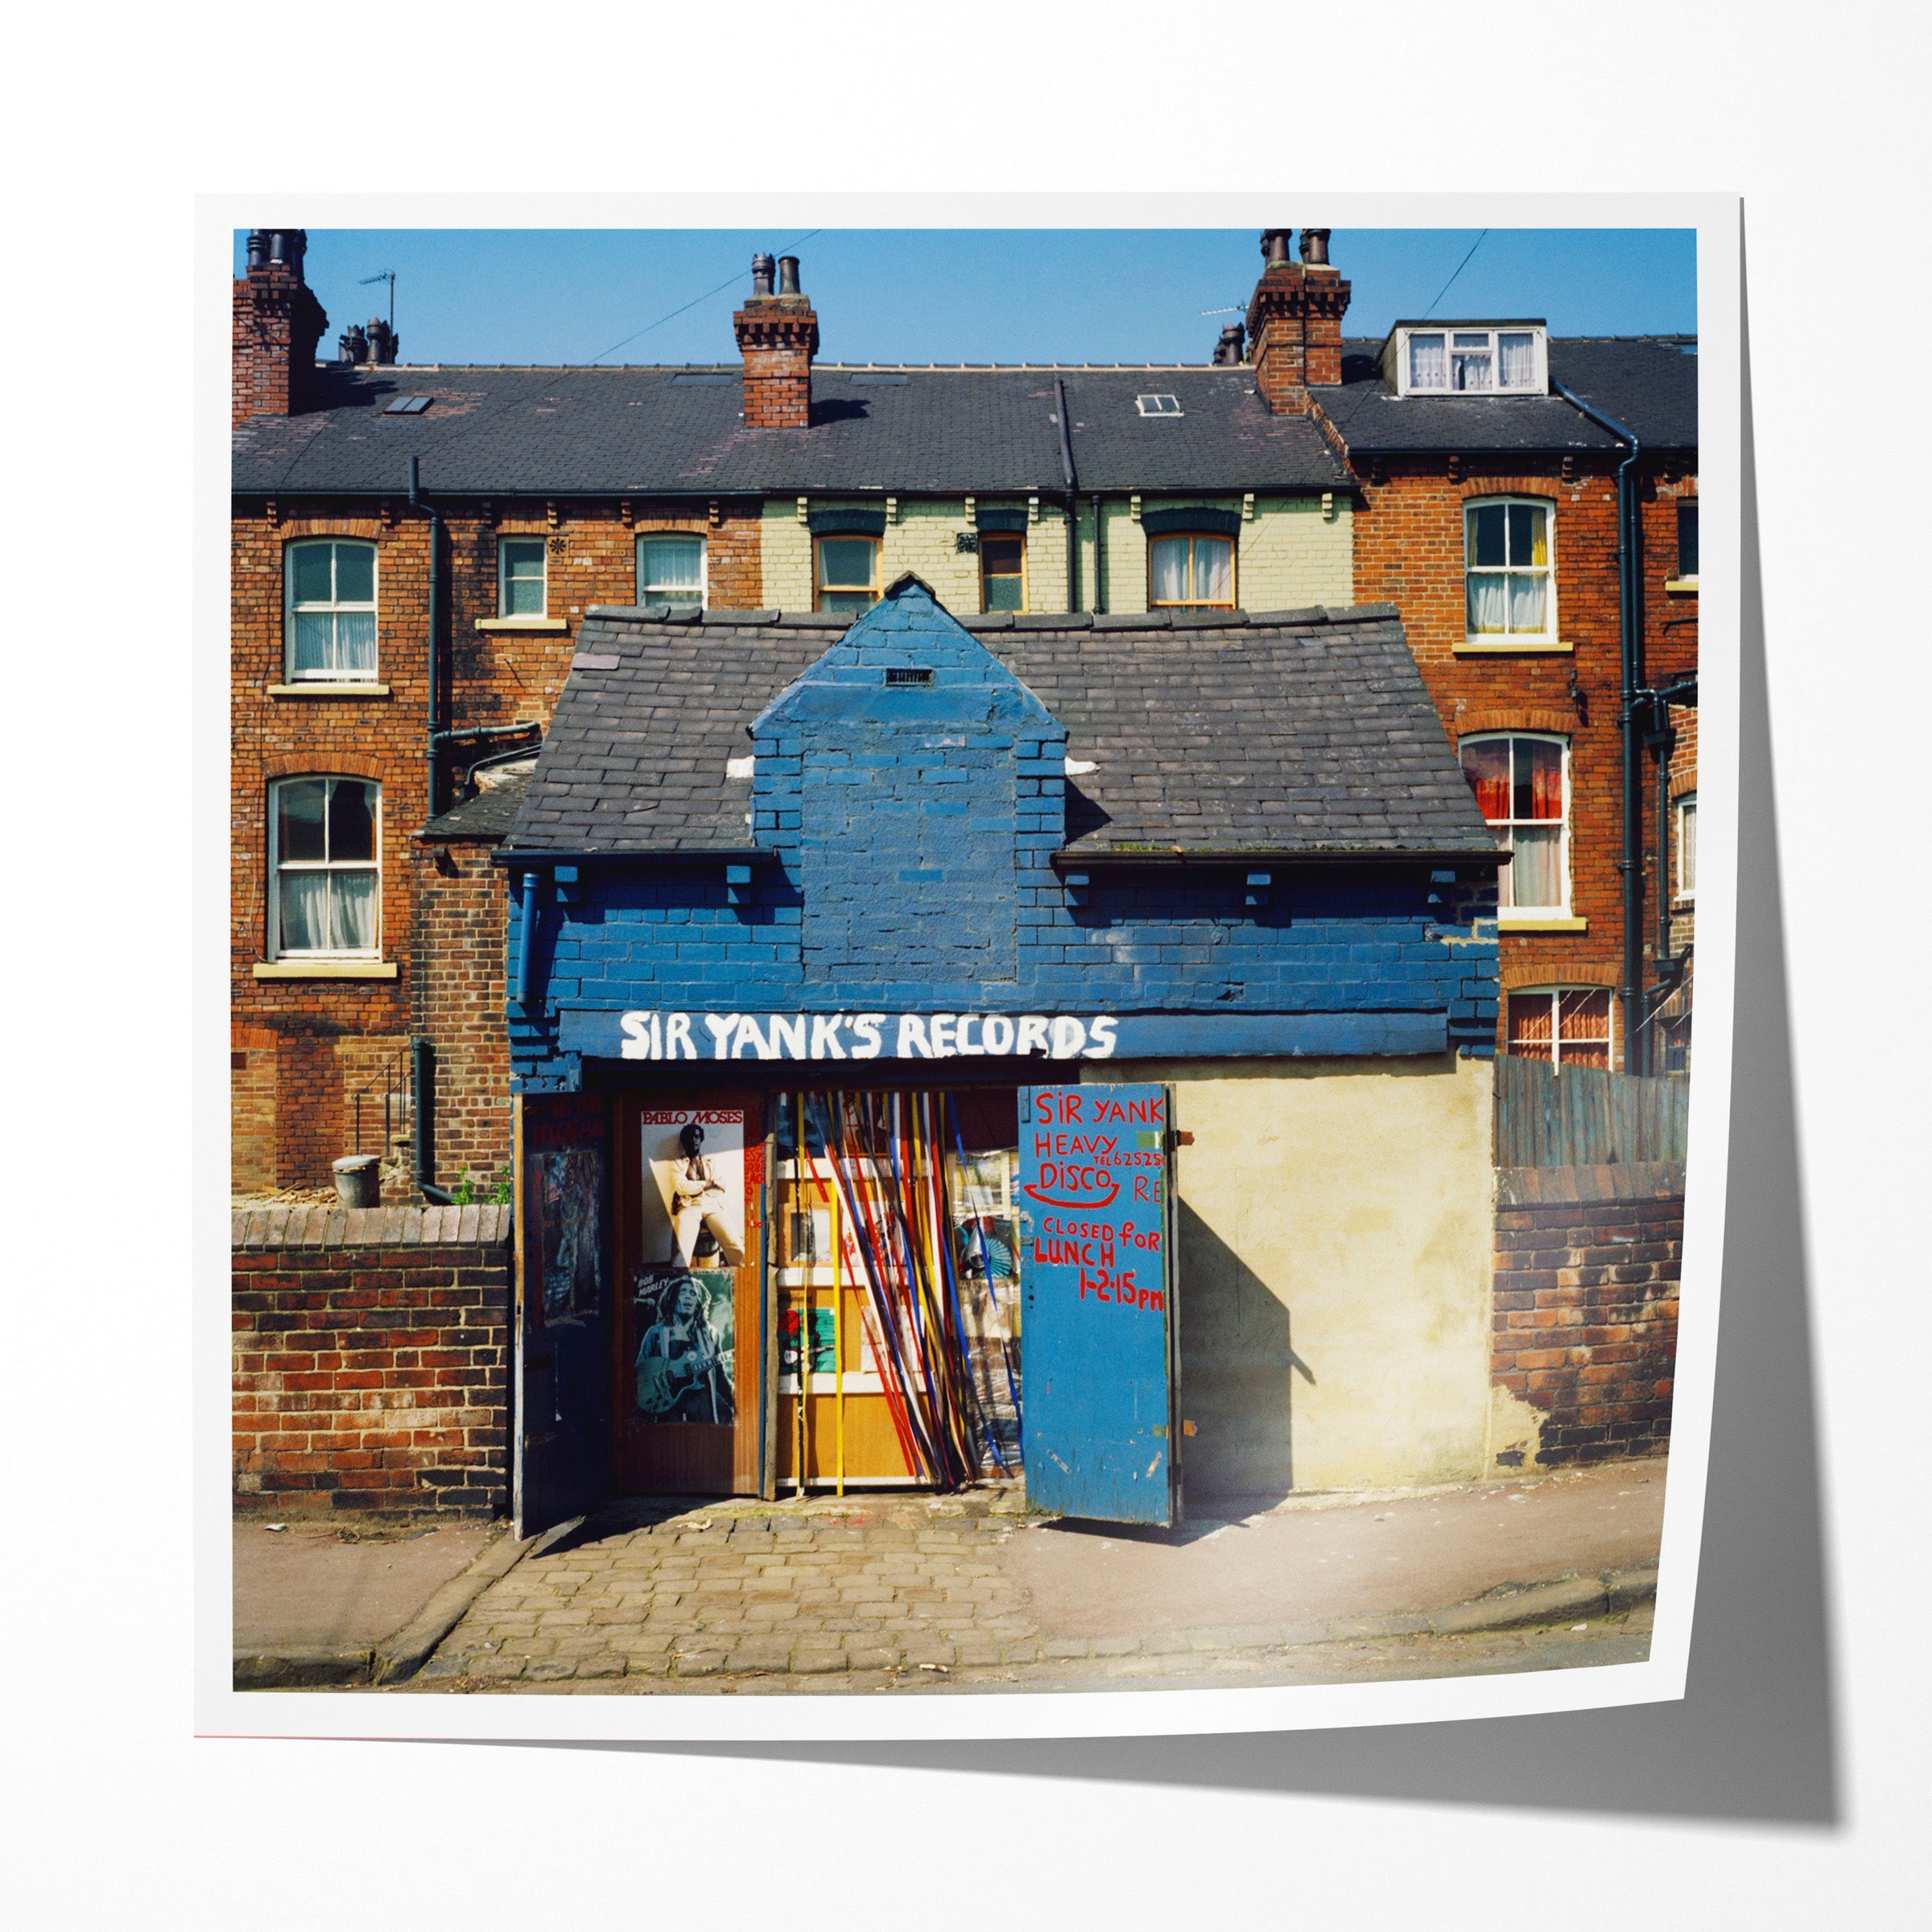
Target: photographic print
(1093, 904)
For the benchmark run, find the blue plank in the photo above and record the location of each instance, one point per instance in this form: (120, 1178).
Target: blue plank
(1095, 1225)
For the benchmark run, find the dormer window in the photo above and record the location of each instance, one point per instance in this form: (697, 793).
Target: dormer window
(1487, 359)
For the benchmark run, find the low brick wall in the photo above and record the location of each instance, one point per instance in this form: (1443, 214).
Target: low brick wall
(1587, 1264)
(371, 1360)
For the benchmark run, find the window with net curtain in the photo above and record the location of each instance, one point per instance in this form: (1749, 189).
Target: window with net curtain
(1520, 787)
(1191, 572)
(1472, 361)
(847, 571)
(331, 612)
(325, 884)
(522, 574)
(670, 570)
(1568, 1024)
(1506, 573)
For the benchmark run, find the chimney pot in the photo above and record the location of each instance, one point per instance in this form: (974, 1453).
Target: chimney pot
(355, 344)
(1227, 351)
(1295, 322)
(277, 328)
(761, 274)
(788, 276)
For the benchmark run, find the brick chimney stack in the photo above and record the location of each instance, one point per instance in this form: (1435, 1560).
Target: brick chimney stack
(777, 336)
(277, 323)
(1294, 320)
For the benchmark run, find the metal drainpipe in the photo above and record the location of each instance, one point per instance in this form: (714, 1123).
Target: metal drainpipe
(526, 941)
(423, 1078)
(435, 545)
(1099, 559)
(1663, 742)
(1629, 581)
(1067, 476)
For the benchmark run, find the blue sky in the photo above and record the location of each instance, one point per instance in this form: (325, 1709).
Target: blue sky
(553, 295)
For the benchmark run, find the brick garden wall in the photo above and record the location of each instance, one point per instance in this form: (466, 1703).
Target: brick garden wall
(1587, 1264)
(370, 1359)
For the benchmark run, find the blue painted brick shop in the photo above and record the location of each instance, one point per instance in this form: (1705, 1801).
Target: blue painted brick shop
(946, 1050)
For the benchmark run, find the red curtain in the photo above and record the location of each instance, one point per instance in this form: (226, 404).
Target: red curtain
(1539, 779)
(1486, 766)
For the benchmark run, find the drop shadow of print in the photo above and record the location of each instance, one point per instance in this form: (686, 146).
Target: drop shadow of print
(1756, 1737)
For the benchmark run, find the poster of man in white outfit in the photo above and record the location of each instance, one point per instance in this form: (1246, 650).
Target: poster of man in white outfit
(694, 1196)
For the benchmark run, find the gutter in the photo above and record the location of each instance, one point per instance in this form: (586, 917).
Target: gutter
(1066, 860)
(1630, 638)
(736, 854)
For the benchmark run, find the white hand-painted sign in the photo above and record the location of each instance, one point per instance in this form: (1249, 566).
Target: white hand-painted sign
(864, 1036)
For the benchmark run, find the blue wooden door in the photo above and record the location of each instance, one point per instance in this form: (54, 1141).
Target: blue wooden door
(1097, 1280)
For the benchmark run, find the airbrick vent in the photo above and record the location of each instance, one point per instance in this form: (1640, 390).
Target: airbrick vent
(906, 674)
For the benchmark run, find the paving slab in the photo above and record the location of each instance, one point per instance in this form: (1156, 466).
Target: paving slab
(311, 1586)
(1321, 1557)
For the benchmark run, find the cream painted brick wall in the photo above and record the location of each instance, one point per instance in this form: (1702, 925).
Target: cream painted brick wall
(924, 539)
(1289, 556)
(785, 551)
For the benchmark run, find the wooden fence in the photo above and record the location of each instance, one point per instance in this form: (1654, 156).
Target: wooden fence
(1583, 1117)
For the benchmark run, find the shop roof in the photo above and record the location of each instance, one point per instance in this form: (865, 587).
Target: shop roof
(489, 814)
(1649, 383)
(665, 431)
(1300, 733)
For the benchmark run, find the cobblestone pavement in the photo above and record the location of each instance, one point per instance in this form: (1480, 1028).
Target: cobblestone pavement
(1622, 1639)
(879, 1594)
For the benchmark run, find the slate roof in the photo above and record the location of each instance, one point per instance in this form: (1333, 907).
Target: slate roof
(669, 432)
(1647, 383)
(489, 814)
(1305, 733)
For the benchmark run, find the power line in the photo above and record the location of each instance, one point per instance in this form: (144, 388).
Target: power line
(692, 303)
(1451, 283)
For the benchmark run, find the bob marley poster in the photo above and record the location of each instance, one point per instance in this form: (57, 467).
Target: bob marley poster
(686, 1353)
(694, 1186)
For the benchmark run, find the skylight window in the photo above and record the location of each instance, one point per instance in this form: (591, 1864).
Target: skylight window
(1157, 406)
(406, 406)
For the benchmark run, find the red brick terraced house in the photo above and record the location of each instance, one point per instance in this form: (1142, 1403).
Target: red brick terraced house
(1495, 464)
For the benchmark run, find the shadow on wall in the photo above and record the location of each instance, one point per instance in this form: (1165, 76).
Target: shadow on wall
(1238, 1371)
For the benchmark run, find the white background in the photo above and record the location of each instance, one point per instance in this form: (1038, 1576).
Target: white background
(1790, 1788)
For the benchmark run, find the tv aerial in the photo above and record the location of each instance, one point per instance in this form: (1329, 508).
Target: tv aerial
(388, 275)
